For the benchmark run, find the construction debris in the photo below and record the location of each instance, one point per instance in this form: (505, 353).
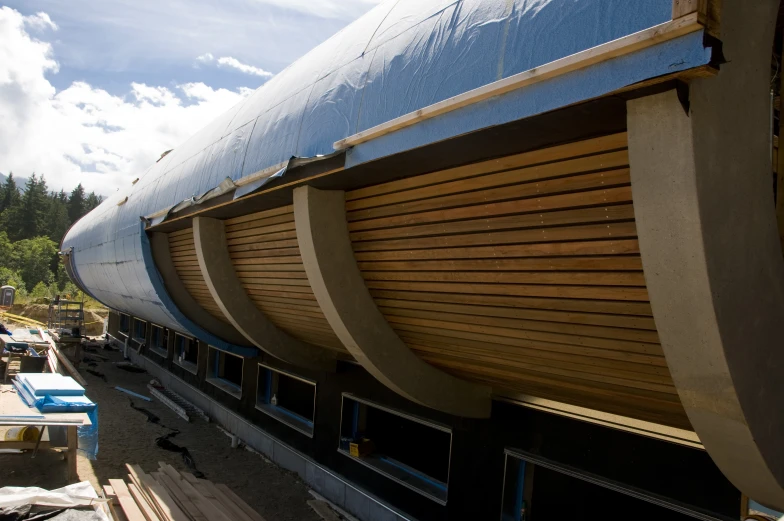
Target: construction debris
(176, 402)
(169, 495)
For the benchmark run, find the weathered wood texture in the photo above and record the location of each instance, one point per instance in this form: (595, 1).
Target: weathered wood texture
(183, 253)
(264, 249)
(522, 272)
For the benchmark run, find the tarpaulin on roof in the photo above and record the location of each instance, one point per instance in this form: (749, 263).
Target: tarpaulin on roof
(401, 56)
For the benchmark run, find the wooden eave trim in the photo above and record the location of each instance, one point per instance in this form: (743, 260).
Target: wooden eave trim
(620, 47)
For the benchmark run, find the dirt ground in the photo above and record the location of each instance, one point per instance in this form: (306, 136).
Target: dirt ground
(125, 436)
(93, 318)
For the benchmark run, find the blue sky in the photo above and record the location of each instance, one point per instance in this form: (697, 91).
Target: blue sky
(154, 71)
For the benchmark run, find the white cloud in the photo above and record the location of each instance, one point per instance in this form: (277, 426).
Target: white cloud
(82, 133)
(40, 21)
(234, 63)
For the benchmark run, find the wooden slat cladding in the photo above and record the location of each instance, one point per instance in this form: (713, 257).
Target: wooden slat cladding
(183, 252)
(265, 253)
(522, 272)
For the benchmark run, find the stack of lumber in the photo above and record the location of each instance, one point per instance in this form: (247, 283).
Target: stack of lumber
(169, 495)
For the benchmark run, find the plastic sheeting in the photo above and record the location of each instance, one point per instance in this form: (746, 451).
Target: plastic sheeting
(401, 56)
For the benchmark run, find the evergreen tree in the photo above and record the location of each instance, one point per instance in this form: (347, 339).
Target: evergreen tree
(92, 202)
(76, 204)
(57, 221)
(9, 193)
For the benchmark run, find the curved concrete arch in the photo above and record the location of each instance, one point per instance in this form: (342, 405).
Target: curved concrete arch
(325, 247)
(225, 287)
(161, 254)
(711, 253)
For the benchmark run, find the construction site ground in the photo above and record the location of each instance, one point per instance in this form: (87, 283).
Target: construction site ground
(126, 436)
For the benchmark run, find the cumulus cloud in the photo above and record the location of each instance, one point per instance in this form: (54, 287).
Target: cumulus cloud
(234, 63)
(83, 133)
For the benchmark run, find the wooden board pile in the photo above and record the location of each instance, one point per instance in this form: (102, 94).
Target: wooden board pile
(169, 495)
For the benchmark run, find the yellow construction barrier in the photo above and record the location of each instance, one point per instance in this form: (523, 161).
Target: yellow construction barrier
(24, 320)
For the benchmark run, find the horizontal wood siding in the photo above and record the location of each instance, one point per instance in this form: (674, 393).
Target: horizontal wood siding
(183, 252)
(264, 249)
(522, 272)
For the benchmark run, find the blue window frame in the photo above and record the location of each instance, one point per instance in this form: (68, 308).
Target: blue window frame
(186, 350)
(379, 437)
(125, 324)
(288, 398)
(225, 371)
(139, 330)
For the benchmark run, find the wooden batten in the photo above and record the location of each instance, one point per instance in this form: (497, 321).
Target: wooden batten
(264, 250)
(183, 253)
(523, 273)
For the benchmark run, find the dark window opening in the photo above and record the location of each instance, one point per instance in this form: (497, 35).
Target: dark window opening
(225, 371)
(158, 338)
(410, 450)
(533, 492)
(288, 398)
(125, 323)
(139, 330)
(187, 350)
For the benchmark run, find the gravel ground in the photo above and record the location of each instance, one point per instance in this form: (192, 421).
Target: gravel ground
(125, 436)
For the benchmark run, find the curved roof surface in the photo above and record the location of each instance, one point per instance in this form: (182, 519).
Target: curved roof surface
(401, 56)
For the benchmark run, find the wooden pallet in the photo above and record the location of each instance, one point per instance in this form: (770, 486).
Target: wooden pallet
(169, 495)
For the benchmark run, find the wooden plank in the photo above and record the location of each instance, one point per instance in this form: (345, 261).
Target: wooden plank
(129, 506)
(271, 254)
(288, 209)
(523, 314)
(613, 49)
(597, 263)
(559, 185)
(578, 305)
(269, 245)
(256, 223)
(572, 248)
(239, 502)
(585, 373)
(164, 502)
(147, 510)
(260, 230)
(450, 337)
(62, 359)
(635, 335)
(114, 506)
(179, 496)
(622, 230)
(575, 278)
(548, 358)
(519, 290)
(526, 335)
(543, 155)
(614, 164)
(557, 210)
(209, 490)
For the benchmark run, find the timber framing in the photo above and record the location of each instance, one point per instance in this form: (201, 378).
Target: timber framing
(227, 291)
(159, 242)
(340, 290)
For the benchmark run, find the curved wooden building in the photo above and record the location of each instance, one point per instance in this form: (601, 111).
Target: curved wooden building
(528, 250)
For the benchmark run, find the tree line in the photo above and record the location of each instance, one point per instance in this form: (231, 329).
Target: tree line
(33, 221)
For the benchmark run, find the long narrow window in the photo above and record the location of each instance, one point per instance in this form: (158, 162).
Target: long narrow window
(288, 398)
(139, 330)
(539, 489)
(412, 451)
(125, 324)
(186, 350)
(158, 341)
(225, 371)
